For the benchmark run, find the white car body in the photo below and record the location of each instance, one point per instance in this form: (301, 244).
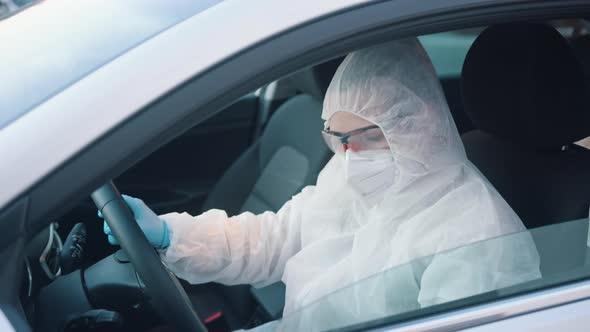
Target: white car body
(70, 121)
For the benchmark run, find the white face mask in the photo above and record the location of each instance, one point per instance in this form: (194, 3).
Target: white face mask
(370, 173)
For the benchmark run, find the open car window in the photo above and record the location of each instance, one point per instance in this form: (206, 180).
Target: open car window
(562, 250)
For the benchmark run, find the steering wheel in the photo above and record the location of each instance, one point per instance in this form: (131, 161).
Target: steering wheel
(169, 298)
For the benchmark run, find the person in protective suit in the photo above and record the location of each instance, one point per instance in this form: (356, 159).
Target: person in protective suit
(378, 229)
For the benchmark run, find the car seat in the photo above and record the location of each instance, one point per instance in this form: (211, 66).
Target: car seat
(524, 91)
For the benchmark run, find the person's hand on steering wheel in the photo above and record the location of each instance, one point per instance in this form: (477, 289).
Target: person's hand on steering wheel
(136, 239)
(154, 228)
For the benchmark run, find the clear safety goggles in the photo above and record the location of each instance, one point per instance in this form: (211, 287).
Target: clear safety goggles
(362, 139)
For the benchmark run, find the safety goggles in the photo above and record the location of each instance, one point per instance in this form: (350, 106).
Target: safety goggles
(362, 139)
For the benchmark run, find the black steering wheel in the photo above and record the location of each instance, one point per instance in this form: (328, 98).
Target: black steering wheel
(169, 298)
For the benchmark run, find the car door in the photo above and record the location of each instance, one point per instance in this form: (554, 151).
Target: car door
(108, 155)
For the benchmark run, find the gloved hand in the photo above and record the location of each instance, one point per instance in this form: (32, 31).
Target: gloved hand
(154, 228)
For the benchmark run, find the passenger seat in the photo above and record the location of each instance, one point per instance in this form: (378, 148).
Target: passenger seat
(524, 91)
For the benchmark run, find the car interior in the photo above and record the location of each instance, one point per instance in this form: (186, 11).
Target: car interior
(520, 101)
(519, 144)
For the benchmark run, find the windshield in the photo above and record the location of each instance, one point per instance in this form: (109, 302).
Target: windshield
(562, 249)
(55, 43)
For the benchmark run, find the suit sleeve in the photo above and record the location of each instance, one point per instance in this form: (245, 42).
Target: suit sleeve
(243, 249)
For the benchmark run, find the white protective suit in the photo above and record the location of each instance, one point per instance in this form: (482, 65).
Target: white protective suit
(324, 239)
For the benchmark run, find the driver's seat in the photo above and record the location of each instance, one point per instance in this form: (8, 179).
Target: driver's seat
(525, 92)
(288, 156)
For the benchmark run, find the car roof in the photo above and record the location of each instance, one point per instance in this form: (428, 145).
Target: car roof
(65, 123)
(55, 43)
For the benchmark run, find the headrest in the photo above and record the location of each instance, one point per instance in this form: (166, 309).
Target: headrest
(522, 82)
(314, 80)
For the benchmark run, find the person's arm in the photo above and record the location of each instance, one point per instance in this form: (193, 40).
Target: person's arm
(244, 249)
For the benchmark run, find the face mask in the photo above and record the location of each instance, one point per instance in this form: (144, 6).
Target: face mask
(370, 173)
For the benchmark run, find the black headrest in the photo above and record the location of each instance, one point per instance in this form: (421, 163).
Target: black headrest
(522, 82)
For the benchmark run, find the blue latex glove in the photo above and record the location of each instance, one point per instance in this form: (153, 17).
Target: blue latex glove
(154, 228)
